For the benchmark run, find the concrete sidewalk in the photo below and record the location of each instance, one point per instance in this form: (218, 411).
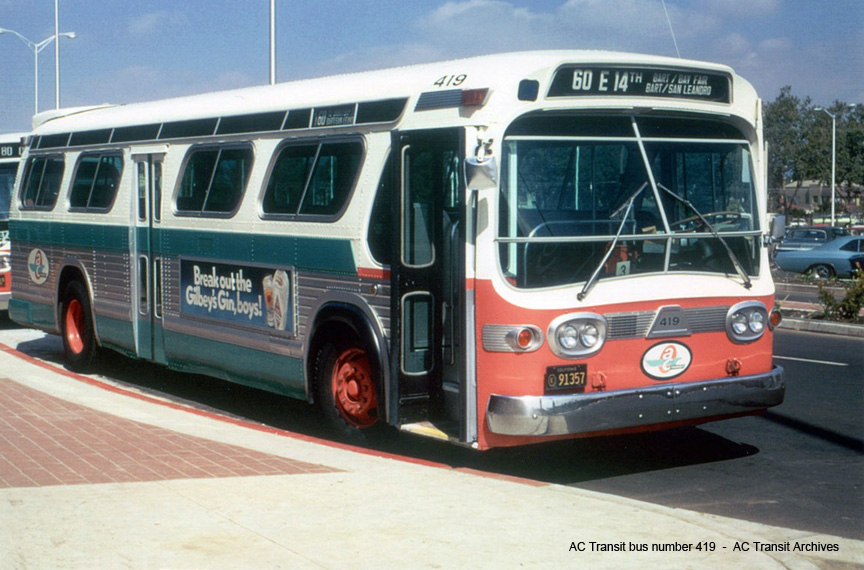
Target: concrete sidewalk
(94, 475)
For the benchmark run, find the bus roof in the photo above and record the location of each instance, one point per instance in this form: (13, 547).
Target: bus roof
(499, 73)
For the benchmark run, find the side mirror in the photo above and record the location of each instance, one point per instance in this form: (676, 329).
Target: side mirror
(778, 227)
(481, 174)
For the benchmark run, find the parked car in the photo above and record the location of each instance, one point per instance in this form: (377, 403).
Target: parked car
(808, 237)
(841, 257)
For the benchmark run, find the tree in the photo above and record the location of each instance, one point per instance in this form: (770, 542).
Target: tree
(786, 123)
(799, 145)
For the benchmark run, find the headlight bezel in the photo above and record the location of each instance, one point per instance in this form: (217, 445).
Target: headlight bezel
(585, 325)
(753, 315)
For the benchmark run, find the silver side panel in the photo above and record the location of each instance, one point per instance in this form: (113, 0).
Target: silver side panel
(108, 275)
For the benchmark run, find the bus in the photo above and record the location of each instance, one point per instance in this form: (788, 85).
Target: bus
(10, 156)
(495, 251)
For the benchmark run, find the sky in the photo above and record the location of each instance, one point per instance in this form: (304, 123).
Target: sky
(127, 51)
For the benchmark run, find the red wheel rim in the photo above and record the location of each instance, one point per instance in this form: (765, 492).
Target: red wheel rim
(74, 326)
(353, 388)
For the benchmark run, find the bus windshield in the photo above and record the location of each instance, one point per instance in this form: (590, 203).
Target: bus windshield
(570, 185)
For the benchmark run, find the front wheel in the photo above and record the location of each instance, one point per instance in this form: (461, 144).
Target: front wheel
(79, 335)
(346, 388)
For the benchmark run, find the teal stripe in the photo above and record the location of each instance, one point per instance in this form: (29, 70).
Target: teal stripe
(250, 367)
(318, 254)
(116, 333)
(85, 236)
(40, 315)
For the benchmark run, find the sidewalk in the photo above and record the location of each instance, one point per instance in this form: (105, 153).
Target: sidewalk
(93, 475)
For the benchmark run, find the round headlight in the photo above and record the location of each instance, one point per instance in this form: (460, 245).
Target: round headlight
(590, 336)
(739, 323)
(757, 322)
(568, 337)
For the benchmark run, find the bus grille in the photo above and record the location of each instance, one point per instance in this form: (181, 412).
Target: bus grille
(622, 326)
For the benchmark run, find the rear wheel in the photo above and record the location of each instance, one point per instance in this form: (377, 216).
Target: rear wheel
(345, 380)
(79, 336)
(822, 271)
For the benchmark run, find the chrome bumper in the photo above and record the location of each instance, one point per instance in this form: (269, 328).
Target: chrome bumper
(602, 411)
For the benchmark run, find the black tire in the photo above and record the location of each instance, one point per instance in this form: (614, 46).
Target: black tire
(79, 335)
(345, 388)
(822, 271)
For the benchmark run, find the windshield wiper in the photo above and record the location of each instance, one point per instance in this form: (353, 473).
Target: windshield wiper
(628, 205)
(737, 264)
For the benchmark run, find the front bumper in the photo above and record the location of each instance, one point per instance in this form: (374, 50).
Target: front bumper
(603, 411)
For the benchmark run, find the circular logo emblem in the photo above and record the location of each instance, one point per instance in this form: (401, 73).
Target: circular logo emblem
(37, 266)
(666, 360)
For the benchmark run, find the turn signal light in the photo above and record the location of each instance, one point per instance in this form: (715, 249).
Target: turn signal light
(525, 338)
(775, 318)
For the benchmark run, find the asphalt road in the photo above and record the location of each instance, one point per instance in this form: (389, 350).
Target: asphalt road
(801, 465)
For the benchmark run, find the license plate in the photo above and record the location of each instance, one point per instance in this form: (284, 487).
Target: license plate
(571, 378)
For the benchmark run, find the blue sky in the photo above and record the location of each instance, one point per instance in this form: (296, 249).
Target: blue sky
(129, 51)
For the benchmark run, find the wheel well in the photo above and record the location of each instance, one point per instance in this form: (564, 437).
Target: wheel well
(338, 321)
(68, 275)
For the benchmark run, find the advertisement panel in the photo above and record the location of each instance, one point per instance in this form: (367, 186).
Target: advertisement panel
(242, 294)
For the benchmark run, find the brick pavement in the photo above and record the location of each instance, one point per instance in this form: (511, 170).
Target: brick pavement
(48, 441)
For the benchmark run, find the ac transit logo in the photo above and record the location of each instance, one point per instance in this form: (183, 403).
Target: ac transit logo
(37, 266)
(666, 360)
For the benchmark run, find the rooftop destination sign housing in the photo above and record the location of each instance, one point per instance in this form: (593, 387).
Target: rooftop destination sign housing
(621, 81)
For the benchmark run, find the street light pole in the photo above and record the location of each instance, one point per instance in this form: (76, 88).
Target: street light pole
(56, 54)
(36, 48)
(272, 42)
(833, 154)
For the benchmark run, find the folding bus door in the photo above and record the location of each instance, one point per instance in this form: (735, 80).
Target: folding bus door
(426, 274)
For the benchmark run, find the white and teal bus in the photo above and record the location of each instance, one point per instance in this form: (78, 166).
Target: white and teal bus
(10, 157)
(498, 250)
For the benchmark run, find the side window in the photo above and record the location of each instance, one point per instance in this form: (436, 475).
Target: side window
(42, 182)
(380, 234)
(96, 180)
(332, 180)
(214, 180)
(312, 180)
(856, 245)
(288, 179)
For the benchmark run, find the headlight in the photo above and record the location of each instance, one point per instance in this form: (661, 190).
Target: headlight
(757, 322)
(568, 337)
(746, 322)
(577, 335)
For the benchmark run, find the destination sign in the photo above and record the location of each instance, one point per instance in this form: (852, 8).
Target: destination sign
(612, 81)
(11, 150)
(334, 116)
